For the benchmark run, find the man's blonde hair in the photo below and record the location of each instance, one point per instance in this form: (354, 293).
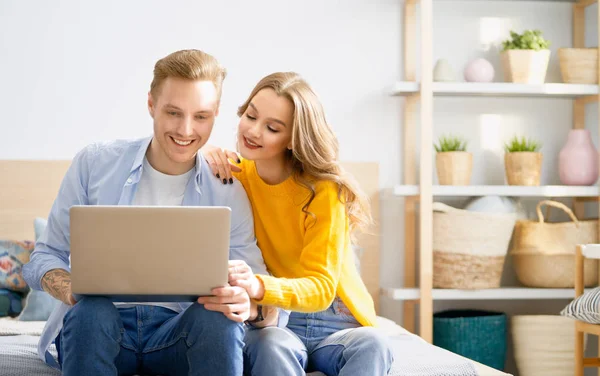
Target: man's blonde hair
(189, 65)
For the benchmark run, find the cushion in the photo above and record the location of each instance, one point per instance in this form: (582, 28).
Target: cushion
(585, 308)
(10, 303)
(39, 226)
(13, 254)
(38, 305)
(357, 251)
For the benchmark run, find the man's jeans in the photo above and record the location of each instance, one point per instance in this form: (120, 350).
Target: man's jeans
(330, 341)
(99, 339)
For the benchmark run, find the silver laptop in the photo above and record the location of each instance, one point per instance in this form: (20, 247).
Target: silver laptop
(149, 253)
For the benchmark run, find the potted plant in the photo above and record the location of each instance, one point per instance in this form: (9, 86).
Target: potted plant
(453, 163)
(525, 57)
(523, 161)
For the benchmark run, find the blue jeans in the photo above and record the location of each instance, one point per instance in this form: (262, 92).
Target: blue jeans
(99, 339)
(330, 341)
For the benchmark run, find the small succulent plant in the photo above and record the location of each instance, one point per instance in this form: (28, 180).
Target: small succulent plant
(529, 40)
(450, 143)
(518, 144)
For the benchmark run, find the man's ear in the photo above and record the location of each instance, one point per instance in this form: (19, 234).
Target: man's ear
(150, 104)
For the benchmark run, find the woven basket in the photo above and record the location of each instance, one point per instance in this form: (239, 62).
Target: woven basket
(477, 335)
(523, 168)
(544, 345)
(544, 253)
(579, 65)
(469, 248)
(454, 167)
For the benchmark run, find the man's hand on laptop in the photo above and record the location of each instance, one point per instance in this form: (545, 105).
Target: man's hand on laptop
(240, 274)
(57, 283)
(232, 301)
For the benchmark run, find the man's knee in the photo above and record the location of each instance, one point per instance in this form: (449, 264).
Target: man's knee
(93, 310)
(90, 317)
(211, 324)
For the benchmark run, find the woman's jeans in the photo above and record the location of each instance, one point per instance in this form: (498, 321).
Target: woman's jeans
(330, 341)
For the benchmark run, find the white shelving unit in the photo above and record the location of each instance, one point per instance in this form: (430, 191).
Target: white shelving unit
(501, 190)
(417, 187)
(504, 293)
(498, 89)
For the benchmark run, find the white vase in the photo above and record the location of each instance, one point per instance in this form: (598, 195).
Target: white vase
(443, 72)
(525, 66)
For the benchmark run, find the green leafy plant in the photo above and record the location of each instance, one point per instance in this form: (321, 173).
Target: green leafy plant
(450, 143)
(529, 40)
(518, 144)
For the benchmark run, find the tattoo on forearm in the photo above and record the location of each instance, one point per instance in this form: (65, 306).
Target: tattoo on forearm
(57, 283)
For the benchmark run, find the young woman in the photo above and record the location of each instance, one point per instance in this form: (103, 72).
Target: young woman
(305, 208)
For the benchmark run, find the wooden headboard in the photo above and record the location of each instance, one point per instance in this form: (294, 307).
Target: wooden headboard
(28, 189)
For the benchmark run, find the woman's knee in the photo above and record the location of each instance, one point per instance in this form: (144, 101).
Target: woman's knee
(275, 343)
(273, 340)
(270, 337)
(371, 340)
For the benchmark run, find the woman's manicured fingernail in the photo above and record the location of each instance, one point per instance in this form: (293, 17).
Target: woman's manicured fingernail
(218, 177)
(230, 181)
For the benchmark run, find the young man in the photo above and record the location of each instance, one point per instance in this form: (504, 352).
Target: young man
(97, 337)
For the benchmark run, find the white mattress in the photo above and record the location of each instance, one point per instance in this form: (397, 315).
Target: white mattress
(413, 356)
(396, 331)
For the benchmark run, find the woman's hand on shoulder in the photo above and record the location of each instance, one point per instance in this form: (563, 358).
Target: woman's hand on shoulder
(219, 161)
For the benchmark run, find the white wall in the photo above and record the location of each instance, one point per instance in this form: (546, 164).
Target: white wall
(74, 72)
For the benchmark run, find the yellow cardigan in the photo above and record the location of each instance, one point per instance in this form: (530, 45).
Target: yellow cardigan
(310, 257)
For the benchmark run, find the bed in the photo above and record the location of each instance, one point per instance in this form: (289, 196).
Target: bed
(28, 190)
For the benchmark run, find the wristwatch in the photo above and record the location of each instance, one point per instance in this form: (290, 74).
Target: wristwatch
(259, 315)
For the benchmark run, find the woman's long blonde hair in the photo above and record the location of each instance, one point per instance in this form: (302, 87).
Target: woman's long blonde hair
(314, 154)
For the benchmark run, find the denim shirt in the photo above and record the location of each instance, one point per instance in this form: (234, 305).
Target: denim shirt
(108, 174)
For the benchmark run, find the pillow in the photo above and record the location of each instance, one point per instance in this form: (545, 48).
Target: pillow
(38, 305)
(585, 308)
(39, 225)
(357, 252)
(13, 254)
(10, 303)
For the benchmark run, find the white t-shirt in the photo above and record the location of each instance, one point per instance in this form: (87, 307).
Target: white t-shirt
(158, 189)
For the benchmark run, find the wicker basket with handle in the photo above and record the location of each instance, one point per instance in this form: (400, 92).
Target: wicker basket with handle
(469, 248)
(544, 253)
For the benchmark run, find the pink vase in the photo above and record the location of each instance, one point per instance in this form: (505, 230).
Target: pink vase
(578, 159)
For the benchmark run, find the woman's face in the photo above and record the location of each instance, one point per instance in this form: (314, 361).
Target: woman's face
(265, 129)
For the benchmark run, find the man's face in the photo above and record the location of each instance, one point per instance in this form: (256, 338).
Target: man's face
(184, 113)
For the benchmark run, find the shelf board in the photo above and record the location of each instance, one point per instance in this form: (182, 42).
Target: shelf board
(499, 89)
(504, 293)
(539, 1)
(502, 190)
(592, 251)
